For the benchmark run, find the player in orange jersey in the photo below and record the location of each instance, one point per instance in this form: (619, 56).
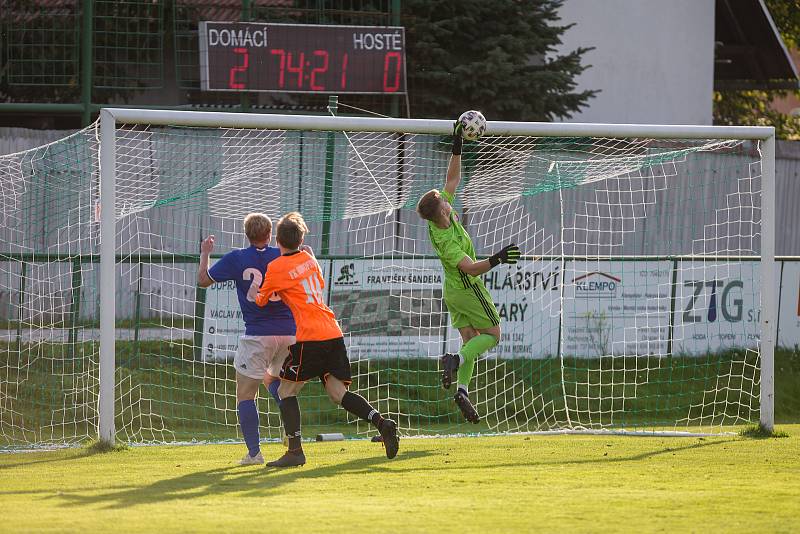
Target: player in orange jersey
(320, 350)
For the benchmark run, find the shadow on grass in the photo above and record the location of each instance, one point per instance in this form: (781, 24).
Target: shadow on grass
(648, 454)
(89, 449)
(265, 481)
(523, 464)
(232, 479)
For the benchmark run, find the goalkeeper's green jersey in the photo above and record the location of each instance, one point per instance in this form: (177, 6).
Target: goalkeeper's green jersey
(452, 244)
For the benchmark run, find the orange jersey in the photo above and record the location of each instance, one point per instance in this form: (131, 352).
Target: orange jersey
(298, 280)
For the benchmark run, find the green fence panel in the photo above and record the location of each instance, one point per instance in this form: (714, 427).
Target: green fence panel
(42, 44)
(129, 44)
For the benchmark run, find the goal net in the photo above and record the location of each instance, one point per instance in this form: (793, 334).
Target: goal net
(636, 305)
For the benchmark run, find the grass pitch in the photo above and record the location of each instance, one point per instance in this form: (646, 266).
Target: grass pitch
(488, 484)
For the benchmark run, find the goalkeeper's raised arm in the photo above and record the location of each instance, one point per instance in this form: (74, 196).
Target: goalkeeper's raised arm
(454, 167)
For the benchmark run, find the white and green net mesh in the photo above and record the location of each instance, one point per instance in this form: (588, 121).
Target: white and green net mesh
(635, 306)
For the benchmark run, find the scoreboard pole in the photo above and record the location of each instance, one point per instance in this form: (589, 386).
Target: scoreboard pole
(87, 41)
(327, 197)
(394, 111)
(244, 98)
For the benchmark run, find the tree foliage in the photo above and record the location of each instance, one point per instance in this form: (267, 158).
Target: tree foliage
(786, 14)
(499, 57)
(754, 107)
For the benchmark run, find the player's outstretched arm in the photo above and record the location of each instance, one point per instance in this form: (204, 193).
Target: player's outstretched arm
(206, 247)
(509, 254)
(454, 167)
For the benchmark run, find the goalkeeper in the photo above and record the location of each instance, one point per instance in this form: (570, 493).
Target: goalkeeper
(469, 303)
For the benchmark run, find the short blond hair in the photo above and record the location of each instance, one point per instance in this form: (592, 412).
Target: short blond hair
(291, 230)
(257, 227)
(429, 204)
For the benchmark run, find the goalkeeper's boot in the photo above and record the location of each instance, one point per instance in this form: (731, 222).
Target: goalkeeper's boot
(391, 441)
(450, 363)
(258, 459)
(466, 407)
(289, 459)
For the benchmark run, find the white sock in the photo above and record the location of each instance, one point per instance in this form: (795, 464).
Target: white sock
(462, 386)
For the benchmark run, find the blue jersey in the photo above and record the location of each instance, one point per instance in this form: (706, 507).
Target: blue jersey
(247, 267)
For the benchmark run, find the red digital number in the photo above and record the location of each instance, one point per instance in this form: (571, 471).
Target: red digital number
(282, 67)
(344, 70)
(386, 60)
(319, 70)
(232, 83)
(296, 70)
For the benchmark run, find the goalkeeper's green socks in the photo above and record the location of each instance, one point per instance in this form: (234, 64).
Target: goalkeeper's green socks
(469, 353)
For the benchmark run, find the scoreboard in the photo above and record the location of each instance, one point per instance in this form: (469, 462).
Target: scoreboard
(302, 58)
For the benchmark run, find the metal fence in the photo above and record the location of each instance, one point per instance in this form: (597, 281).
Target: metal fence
(73, 56)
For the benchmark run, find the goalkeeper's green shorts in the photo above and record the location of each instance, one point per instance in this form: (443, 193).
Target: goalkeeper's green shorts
(471, 306)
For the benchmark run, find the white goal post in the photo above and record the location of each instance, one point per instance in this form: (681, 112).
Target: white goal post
(111, 118)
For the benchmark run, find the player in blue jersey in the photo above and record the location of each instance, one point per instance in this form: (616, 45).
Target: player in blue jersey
(268, 331)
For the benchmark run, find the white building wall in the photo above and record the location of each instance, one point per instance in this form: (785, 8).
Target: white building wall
(653, 60)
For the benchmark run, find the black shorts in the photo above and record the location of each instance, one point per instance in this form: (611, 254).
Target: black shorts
(311, 359)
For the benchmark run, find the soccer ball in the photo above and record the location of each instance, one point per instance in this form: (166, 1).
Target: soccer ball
(474, 124)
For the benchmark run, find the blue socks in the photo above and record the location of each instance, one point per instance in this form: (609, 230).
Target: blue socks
(273, 390)
(248, 421)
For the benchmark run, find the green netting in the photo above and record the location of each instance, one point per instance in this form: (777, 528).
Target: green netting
(632, 309)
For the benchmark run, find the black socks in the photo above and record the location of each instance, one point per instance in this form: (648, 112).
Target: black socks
(290, 413)
(352, 402)
(358, 405)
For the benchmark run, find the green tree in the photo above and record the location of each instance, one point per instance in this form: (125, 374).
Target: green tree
(499, 57)
(754, 107)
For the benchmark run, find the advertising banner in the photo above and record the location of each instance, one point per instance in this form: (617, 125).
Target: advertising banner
(716, 306)
(616, 308)
(789, 320)
(527, 300)
(389, 308)
(222, 322)
(395, 308)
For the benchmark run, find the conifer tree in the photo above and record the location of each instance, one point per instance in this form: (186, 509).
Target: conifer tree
(498, 56)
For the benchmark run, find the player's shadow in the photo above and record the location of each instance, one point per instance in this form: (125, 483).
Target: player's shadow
(27, 461)
(248, 481)
(532, 463)
(651, 454)
(641, 456)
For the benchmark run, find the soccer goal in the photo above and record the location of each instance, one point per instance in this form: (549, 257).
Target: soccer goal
(645, 299)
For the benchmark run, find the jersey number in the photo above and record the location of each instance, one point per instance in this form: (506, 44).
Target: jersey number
(255, 277)
(313, 289)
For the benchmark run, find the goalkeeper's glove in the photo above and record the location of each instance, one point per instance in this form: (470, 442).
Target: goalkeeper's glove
(508, 254)
(458, 141)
